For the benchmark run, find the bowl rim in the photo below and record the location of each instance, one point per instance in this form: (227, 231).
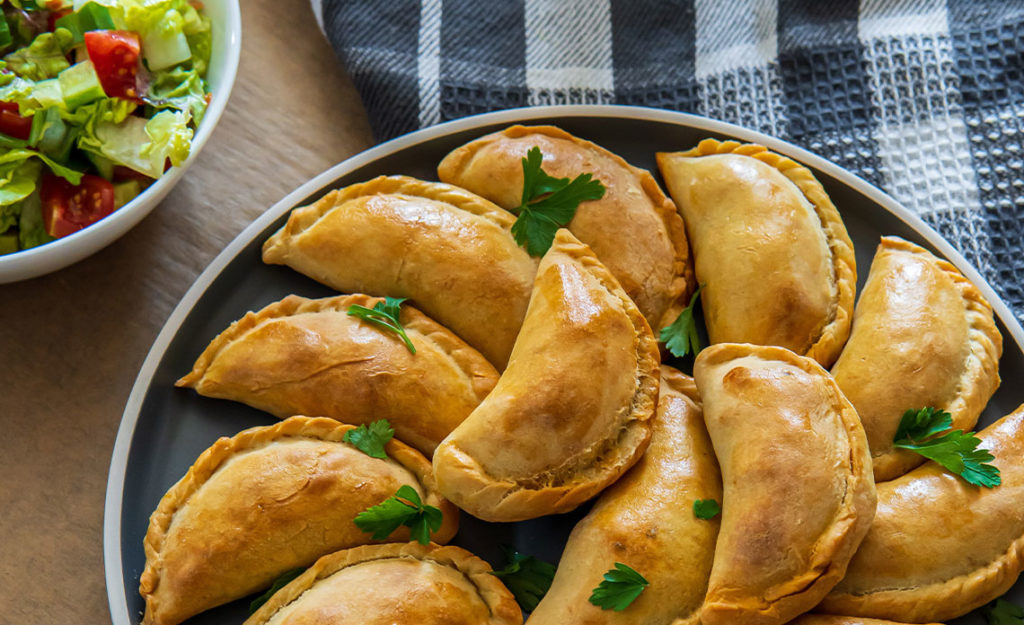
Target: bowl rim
(112, 554)
(46, 258)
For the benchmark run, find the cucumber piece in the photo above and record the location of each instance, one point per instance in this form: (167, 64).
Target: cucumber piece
(104, 166)
(164, 44)
(125, 192)
(9, 242)
(80, 85)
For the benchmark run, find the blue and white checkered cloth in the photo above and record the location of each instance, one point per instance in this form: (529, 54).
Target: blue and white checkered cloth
(924, 98)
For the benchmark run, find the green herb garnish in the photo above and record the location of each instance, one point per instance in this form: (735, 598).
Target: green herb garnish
(927, 432)
(526, 577)
(1002, 612)
(548, 203)
(706, 508)
(384, 314)
(621, 586)
(371, 439)
(282, 580)
(681, 337)
(403, 508)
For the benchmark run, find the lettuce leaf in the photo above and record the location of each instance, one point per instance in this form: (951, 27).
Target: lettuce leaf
(43, 58)
(31, 231)
(180, 89)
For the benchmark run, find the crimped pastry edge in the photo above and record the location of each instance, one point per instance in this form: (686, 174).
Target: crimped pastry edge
(503, 608)
(473, 365)
(980, 378)
(214, 457)
(850, 524)
(825, 350)
(684, 281)
(276, 248)
(503, 500)
(965, 592)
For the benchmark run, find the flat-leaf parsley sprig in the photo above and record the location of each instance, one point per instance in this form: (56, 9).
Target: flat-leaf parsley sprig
(928, 432)
(403, 508)
(548, 203)
(526, 577)
(681, 336)
(706, 508)
(620, 587)
(371, 439)
(1003, 612)
(384, 314)
(282, 580)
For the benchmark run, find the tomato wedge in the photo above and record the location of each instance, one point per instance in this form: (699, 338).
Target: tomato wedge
(115, 55)
(11, 123)
(68, 208)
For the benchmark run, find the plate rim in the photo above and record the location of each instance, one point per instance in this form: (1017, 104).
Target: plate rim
(112, 511)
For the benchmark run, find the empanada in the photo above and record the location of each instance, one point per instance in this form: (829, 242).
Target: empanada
(940, 547)
(400, 584)
(646, 521)
(797, 490)
(263, 502)
(446, 249)
(828, 619)
(301, 356)
(769, 248)
(571, 413)
(634, 229)
(923, 335)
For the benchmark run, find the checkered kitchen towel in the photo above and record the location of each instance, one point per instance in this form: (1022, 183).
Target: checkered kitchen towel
(924, 98)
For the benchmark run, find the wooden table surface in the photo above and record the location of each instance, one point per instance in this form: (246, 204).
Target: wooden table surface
(71, 343)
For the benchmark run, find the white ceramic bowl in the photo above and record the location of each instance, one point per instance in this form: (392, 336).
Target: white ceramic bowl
(227, 43)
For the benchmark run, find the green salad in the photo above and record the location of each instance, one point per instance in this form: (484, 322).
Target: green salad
(97, 99)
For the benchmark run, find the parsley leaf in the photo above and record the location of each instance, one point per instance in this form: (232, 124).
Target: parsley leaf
(548, 203)
(371, 439)
(681, 337)
(526, 577)
(621, 586)
(384, 314)
(1002, 612)
(282, 580)
(927, 432)
(403, 508)
(706, 508)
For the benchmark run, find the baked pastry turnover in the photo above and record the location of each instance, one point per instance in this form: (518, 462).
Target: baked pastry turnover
(446, 249)
(571, 413)
(828, 619)
(265, 501)
(634, 229)
(400, 584)
(797, 490)
(769, 248)
(923, 335)
(302, 356)
(645, 521)
(940, 547)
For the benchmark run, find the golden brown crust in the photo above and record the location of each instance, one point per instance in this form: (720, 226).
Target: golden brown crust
(164, 607)
(645, 521)
(654, 268)
(832, 331)
(449, 251)
(302, 356)
(828, 619)
(798, 494)
(570, 414)
(939, 546)
(475, 574)
(923, 335)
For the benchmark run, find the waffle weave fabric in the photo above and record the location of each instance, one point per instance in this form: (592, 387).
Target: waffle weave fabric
(923, 98)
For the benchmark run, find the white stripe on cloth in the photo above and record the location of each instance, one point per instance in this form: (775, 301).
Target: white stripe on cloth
(735, 33)
(318, 13)
(428, 69)
(897, 18)
(569, 52)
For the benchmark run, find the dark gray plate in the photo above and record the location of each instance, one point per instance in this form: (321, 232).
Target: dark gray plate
(164, 429)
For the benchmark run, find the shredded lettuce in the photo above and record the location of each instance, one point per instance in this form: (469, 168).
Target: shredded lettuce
(143, 145)
(43, 58)
(22, 155)
(180, 89)
(31, 231)
(17, 179)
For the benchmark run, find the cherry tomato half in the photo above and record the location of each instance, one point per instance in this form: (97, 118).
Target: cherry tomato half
(11, 123)
(68, 208)
(115, 55)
